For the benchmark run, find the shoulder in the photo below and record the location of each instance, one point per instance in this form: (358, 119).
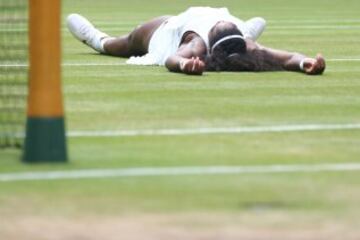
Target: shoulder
(192, 45)
(192, 39)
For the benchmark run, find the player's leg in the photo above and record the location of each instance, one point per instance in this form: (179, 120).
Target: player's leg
(85, 32)
(134, 44)
(256, 27)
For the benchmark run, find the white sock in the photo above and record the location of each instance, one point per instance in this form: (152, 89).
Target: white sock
(103, 41)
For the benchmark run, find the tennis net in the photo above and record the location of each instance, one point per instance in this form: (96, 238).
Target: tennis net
(13, 71)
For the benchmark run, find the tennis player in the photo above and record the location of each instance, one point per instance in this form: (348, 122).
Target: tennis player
(197, 40)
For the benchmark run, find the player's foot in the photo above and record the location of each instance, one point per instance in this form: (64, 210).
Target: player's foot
(84, 31)
(256, 27)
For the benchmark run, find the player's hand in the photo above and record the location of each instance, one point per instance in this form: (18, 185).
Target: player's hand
(314, 66)
(192, 66)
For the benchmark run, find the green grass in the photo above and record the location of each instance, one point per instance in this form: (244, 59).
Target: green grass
(133, 98)
(307, 192)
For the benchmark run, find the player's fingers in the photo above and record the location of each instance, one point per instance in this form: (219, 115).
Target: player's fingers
(194, 66)
(201, 66)
(197, 64)
(322, 61)
(190, 65)
(317, 66)
(322, 64)
(309, 65)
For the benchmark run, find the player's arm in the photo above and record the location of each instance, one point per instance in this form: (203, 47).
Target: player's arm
(289, 61)
(189, 58)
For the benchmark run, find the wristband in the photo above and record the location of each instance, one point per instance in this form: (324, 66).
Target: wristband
(301, 65)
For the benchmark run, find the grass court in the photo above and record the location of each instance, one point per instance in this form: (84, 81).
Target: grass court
(102, 94)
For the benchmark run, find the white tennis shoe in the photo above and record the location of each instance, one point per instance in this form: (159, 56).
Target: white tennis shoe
(85, 32)
(256, 27)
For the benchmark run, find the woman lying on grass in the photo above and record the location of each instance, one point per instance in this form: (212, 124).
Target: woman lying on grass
(199, 39)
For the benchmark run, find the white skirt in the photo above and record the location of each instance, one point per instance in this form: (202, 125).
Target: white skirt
(164, 42)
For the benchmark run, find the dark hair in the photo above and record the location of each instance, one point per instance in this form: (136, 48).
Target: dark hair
(233, 45)
(221, 52)
(234, 62)
(234, 55)
(255, 60)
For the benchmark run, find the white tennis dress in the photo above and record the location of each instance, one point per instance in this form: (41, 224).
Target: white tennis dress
(166, 39)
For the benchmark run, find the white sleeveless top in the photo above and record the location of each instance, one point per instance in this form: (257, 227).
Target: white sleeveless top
(166, 39)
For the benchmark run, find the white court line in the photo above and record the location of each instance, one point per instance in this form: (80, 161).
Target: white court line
(328, 21)
(315, 27)
(286, 21)
(14, 65)
(89, 64)
(177, 171)
(343, 60)
(222, 130)
(270, 27)
(79, 64)
(207, 131)
(277, 21)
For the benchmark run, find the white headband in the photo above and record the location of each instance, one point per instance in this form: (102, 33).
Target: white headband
(225, 39)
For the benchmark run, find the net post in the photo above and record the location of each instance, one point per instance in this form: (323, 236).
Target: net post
(45, 139)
